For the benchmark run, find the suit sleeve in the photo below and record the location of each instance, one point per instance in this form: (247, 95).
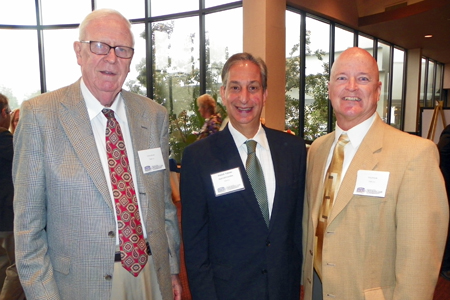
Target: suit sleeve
(195, 228)
(33, 263)
(300, 240)
(6, 146)
(444, 154)
(422, 221)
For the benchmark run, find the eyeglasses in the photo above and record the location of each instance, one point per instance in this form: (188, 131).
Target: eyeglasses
(100, 48)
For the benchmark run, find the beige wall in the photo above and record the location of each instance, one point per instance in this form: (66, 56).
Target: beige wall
(265, 36)
(447, 76)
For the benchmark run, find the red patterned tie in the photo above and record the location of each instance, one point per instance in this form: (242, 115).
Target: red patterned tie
(133, 248)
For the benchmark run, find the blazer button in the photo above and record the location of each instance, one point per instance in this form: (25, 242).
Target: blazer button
(111, 234)
(108, 277)
(263, 271)
(268, 244)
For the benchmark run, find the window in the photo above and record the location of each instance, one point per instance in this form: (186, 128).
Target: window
(397, 99)
(430, 83)
(384, 66)
(306, 87)
(180, 58)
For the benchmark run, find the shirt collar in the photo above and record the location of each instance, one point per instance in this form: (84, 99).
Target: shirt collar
(94, 107)
(240, 139)
(357, 133)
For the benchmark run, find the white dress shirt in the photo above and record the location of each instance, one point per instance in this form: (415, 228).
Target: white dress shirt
(98, 123)
(356, 135)
(264, 156)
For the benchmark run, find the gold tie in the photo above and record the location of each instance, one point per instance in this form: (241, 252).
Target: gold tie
(331, 186)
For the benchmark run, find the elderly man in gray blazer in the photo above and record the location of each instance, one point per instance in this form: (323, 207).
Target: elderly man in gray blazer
(69, 239)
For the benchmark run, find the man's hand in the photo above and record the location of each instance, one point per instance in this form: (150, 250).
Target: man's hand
(176, 287)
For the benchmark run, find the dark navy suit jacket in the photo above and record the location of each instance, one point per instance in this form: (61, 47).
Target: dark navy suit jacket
(229, 251)
(6, 183)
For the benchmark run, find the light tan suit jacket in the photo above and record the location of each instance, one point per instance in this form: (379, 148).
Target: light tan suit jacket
(65, 227)
(379, 248)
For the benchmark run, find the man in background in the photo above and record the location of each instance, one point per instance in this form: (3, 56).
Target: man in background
(10, 288)
(94, 219)
(242, 196)
(376, 225)
(444, 164)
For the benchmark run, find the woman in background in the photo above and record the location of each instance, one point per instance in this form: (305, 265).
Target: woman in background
(14, 120)
(207, 108)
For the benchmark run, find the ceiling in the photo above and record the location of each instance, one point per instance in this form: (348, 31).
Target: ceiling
(405, 23)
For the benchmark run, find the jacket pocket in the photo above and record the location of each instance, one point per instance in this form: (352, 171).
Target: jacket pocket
(61, 264)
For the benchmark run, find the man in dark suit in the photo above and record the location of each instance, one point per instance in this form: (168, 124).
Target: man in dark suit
(444, 164)
(236, 246)
(10, 288)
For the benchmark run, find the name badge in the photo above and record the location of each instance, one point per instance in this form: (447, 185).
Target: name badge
(151, 160)
(371, 183)
(227, 182)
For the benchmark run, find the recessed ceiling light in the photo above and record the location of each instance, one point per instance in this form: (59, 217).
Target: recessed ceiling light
(429, 36)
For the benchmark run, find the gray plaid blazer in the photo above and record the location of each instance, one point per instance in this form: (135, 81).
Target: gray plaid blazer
(64, 221)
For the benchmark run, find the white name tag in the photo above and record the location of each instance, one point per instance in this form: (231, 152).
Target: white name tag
(151, 160)
(226, 182)
(371, 183)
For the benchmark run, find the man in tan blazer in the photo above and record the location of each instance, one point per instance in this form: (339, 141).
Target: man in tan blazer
(68, 242)
(387, 226)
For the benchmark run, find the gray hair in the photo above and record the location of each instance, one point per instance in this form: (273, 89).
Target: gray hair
(98, 14)
(239, 57)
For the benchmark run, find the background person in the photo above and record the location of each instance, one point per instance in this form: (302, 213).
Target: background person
(15, 114)
(384, 232)
(207, 108)
(244, 243)
(85, 203)
(444, 164)
(10, 288)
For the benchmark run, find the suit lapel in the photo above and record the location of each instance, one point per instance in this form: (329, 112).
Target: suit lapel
(315, 176)
(229, 157)
(141, 138)
(75, 120)
(366, 158)
(279, 170)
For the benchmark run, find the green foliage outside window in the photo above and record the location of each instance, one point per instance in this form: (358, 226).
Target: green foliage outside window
(316, 87)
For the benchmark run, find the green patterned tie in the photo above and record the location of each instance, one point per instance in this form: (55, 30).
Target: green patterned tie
(256, 176)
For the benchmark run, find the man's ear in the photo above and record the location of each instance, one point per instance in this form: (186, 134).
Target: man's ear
(222, 94)
(77, 49)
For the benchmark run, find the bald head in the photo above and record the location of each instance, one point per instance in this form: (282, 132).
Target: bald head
(354, 88)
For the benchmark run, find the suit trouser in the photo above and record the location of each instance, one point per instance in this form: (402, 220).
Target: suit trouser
(10, 287)
(128, 287)
(317, 293)
(446, 259)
